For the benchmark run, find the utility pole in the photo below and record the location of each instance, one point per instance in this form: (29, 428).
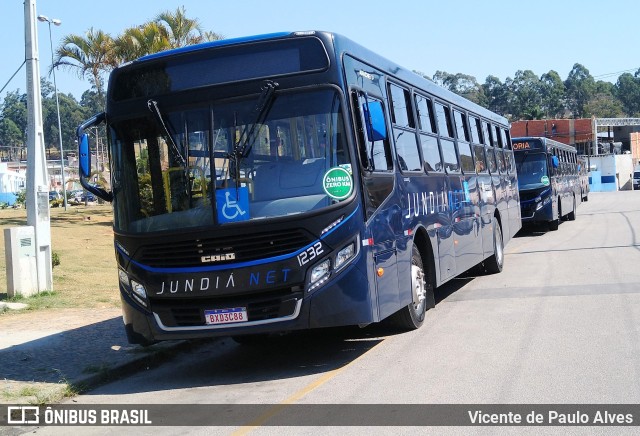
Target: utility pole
(37, 178)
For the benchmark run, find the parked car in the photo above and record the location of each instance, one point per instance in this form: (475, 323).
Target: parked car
(636, 180)
(54, 195)
(88, 196)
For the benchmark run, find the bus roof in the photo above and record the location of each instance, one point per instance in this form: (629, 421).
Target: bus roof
(212, 44)
(547, 141)
(342, 45)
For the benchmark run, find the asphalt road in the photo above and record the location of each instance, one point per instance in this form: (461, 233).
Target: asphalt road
(560, 325)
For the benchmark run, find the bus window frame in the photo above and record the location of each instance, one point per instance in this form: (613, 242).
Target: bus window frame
(466, 140)
(431, 133)
(410, 128)
(449, 138)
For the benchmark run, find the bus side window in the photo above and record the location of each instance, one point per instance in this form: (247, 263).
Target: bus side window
(374, 154)
(427, 131)
(464, 148)
(498, 148)
(475, 130)
(508, 153)
(404, 132)
(491, 156)
(447, 144)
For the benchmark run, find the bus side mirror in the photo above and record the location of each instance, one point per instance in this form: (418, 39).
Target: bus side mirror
(85, 156)
(554, 161)
(374, 120)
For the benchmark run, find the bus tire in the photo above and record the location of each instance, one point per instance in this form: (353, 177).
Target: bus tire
(553, 224)
(494, 264)
(571, 216)
(412, 316)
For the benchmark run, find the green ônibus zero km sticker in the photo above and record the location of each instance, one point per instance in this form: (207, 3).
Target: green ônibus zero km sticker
(337, 183)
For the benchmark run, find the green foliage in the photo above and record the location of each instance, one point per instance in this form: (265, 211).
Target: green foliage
(55, 259)
(580, 88)
(461, 84)
(627, 90)
(21, 197)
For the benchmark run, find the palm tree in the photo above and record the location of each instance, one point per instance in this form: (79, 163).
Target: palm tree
(136, 42)
(182, 31)
(90, 56)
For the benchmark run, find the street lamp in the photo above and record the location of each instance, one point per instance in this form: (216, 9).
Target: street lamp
(56, 22)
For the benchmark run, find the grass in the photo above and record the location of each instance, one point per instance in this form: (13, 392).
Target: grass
(82, 239)
(37, 393)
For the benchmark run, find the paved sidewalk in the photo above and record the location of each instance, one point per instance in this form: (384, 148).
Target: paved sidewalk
(47, 354)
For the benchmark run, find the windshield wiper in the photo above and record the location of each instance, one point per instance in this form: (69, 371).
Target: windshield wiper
(155, 110)
(243, 147)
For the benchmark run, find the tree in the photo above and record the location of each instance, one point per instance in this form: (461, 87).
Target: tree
(11, 139)
(91, 56)
(136, 42)
(526, 101)
(462, 84)
(13, 124)
(496, 95)
(604, 105)
(580, 88)
(181, 31)
(627, 90)
(553, 95)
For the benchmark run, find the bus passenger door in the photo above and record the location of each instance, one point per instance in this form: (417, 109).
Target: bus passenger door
(383, 216)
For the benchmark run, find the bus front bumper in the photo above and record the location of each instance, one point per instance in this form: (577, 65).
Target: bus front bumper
(343, 301)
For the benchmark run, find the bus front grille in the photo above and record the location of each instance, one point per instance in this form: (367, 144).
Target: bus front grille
(239, 248)
(190, 312)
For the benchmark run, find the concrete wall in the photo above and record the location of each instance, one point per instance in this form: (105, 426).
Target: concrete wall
(611, 172)
(567, 131)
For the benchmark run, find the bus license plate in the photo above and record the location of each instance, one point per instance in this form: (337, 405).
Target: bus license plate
(226, 316)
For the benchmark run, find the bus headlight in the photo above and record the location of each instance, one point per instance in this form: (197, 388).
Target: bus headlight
(345, 255)
(542, 203)
(124, 278)
(319, 274)
(139, 293)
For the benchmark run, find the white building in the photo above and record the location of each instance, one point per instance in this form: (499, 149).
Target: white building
(13, 179)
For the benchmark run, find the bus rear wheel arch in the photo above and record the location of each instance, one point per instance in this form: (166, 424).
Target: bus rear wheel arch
(495, 263)
(571, 216)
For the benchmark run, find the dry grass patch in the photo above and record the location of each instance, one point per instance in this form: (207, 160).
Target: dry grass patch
(82, 237)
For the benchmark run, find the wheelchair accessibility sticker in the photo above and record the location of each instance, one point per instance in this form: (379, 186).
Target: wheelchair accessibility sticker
(232, 204)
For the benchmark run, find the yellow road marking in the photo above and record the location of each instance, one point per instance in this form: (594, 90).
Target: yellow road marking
(244, 430)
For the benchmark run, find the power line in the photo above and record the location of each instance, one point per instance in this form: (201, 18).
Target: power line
(617, 73)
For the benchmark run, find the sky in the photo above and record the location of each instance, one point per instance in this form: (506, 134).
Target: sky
(474, 37)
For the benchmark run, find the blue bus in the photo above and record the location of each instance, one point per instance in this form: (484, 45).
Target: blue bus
(293, 181)
(549, 175)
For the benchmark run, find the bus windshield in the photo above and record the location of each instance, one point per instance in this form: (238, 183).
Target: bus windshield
(207, 172)
(532, 170)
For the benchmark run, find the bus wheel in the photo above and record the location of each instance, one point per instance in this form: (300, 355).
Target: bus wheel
(571, 216)
(553, 224)
(494, 264)
(412, 316)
